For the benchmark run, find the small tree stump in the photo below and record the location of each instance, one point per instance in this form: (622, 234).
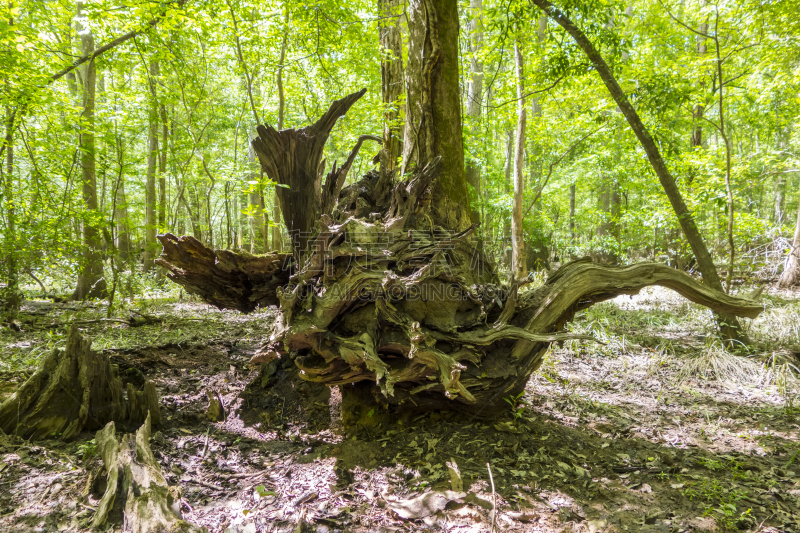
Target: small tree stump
(76, 389)
(135, 485)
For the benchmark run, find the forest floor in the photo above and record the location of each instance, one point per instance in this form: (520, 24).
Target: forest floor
(656, 430)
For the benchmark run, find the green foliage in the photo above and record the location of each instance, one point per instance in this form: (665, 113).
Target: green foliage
(517, 405)
(219, 67)
(87, 450)
(718, 499)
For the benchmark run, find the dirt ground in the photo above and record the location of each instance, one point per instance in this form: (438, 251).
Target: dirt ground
(607, 438)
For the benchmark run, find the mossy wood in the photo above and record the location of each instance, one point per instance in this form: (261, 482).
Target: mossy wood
(73, 390)
(386, 297)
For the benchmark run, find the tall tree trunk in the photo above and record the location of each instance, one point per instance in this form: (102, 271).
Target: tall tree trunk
(123, 243)
(536, 106)
(475, 93)
(162, 172)
(780, 181)
(616, 211)
(699, 109)
(262, 197)
(392, 87)
(780, 200)
(91, 282)
(150, 221)
(728, 177)
(433, 109)
(604, 206)
(518, 264)
(256, 223)
(791, 270)
(507, 187)
(729, 325)
(572, 212)
(10, 237)
(277, 230)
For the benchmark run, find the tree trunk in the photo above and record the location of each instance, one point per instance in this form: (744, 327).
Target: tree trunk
(151, 206)
(604, 206)
(392, 83)
(728, 177)
(91, 281)
(123, 241)
(475, 94)
(11, 297)
(411, 332)
(729, 325)
(780, 199)
(518, 263)
(780, 181)
(536, 108)
(433, 108)
(506, 251)
(572, 212)
(791, 270)
(699, 109)
(162, 172)
(277, 230)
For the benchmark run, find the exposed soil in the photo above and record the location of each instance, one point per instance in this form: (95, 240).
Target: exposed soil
(606, 438)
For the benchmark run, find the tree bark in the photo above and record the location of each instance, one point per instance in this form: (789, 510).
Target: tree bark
(729, 325)
(433, 107)
(12, 298)
(151, 205)
(791, 270)
(572, 212)
(392, 83)
(518, 263)
(162, 172)
(699, 109)
(506, 252)
(123, 241)
(536, 107)
(780, 200)
(91, 281)
(728, 177)
(277, 230)
(475, 94)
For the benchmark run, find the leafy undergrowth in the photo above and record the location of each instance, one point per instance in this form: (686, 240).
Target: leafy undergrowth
(647, 432)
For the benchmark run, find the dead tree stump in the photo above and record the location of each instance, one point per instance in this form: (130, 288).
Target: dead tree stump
(76, 389)
(135, 485)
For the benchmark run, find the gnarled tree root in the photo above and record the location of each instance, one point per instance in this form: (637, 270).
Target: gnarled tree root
(76, 389)
(135, 485)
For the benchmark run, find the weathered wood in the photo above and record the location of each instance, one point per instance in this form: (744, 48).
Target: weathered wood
(336, 177)
(135, 485)
(293, 159)
(75, 389)
(223, 278)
